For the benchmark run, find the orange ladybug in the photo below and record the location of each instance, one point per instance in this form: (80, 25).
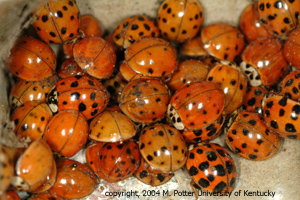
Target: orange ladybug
(163, 147)
(67, 132)
(31, 119)
(151, 57)
(110, 126)
(31, 59)
(113, 161)
(24, 91)
(74, 180)
(57, 21)
(70, 68)
(223, 41)
(180, 20)
(132, 29)
(291, 48)
(144, 100)
(95, 56)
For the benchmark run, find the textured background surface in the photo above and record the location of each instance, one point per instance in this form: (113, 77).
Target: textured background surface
(280, 174)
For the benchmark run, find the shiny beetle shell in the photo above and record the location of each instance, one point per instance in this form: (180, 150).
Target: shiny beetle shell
(223, 41)
(279, 17)
(24, 91)
(74, 180)
(132, 29)
(291, 48)
(57, 21)
(144, 100)
(251, 138)
(232, 81)
(35, 164)
(95, 56)
(31, 59)
(212, 168)
(196, 105)
(151, 57)
(188, 71)
(82, 93)
(264, 63)
(67, 132)
(70, 68)
(113, 161)
(31, 119)
(282, 116)
(163, 147)
(289, 86)
(253, 99)
(110, 126)
(180, 20)
(205, 134)
(193, 48)
(151, 176)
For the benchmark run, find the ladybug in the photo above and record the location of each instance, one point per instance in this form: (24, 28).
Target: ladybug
(196, 105)
(188, 71)
(151, 57)
(291, 48)
(45, 196)
(36, 159)
(70, 68)
(163, 147)
(31, 119)
(24, 91)
(132, 29)
(113, 161)
(82, 93)
(250, 137)
(289, 86)
(95, 56)
(233, 82)
(145, 100)
(205, 134)
(223, 41)
(57, 21)
(31, 59)
(151, 176)
(193, 48)
(67, 132)
(212, 168)
(279, 17)
(90, 27)
(250, 24)
(179, 21)
(74, 180)
(111, 126)
(263, 62)
(282, 116)
(253, 99)
(49, 182)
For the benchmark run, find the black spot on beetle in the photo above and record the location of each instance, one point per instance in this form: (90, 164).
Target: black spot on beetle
(290, 128)
(81, 107)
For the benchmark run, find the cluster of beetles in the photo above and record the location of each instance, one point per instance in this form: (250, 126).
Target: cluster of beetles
(146, 100)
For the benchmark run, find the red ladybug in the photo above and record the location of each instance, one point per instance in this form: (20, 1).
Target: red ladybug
(179, 21)
(70, 68)
(31, 59)
(113, 161)
(291, 48)
(82, 93)
(57, 21)
(212, 168)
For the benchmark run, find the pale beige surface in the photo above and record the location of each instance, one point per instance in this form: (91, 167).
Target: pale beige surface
(280, 174)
